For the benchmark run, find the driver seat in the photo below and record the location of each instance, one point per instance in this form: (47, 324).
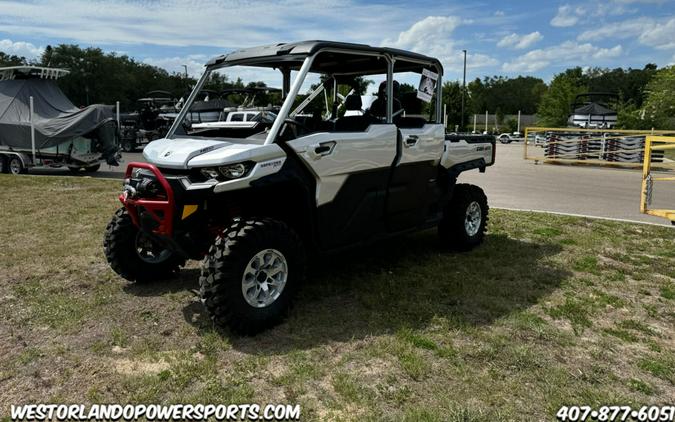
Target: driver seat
(353, 123)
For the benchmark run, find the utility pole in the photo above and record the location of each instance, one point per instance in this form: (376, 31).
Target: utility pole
(463, 91)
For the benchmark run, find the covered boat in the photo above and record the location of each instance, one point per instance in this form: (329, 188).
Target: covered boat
(51, 131)
(591, 111)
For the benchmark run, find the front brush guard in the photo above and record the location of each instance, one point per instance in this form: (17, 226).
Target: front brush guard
(160, 210)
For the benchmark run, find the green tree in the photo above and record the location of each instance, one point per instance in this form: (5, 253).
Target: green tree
(554, 108)
(98, 77)
(659, 108)
(12, 60)
(511, 95)
(628, 84)
(452, 98)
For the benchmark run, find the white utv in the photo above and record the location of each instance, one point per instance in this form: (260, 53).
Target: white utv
(310, 181)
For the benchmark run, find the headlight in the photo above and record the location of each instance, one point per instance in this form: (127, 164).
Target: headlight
(210, 173)
(234, 171)
(228, 172)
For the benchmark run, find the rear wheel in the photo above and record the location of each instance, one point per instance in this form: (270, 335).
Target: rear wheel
(504, 139)
(464, 218)
(134, 255)
(92, 169)
(251, 274)
(16, 165)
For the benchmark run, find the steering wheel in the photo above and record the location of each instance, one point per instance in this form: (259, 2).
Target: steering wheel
(294, 125)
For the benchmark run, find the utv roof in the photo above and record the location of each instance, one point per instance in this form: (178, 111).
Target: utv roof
(291, 55)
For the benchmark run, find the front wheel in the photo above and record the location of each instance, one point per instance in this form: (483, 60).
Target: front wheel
(504, 139)
(251, 273)
(134, 255)
(465, 218)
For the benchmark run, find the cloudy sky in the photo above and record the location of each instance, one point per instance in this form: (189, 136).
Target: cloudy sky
(520, 37)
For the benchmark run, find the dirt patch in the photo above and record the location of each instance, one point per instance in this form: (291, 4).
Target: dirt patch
(139, 367)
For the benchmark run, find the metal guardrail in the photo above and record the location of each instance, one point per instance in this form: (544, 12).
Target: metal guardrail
(604, 147)
(655, 143)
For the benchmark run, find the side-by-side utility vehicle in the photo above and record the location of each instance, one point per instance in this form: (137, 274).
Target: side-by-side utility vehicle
(322, 175)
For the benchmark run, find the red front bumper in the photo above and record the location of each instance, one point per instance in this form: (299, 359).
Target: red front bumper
(159, 209)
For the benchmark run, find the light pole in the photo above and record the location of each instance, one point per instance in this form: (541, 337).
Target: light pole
(463, 91)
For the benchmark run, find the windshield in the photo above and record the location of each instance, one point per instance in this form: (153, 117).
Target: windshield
(233, 102)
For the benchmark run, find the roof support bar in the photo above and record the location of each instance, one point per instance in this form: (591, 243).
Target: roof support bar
(288, 102)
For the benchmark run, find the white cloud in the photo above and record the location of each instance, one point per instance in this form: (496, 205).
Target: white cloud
(218, 23)
(661, 35)
(432, 31)
(433, 36)
(641, 1)
(617, 30)
(566, 16)
(520, 42)
(567, 53)
(20, 48)
(650, 32)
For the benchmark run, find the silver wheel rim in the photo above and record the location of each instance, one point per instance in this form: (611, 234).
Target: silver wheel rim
(149, 251)
(473, 218)
(264, 278)
(15, 166)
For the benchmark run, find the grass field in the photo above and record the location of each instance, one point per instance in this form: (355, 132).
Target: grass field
(549, 311)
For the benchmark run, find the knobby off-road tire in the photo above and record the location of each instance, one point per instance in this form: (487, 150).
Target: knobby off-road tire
(120, 243)
(243, 268)
(465, 218)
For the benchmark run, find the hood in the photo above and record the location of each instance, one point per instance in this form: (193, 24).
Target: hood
(184, 153)
(175, 153)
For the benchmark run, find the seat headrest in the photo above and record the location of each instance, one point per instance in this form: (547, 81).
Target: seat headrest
(353, 103)
(411, 103)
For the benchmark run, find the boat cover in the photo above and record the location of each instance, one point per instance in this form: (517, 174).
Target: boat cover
(594, 109)
(57, 120)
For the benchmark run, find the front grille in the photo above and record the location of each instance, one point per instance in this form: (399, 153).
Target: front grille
(194, 175)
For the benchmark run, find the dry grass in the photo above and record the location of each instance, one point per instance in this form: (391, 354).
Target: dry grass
(551, 310)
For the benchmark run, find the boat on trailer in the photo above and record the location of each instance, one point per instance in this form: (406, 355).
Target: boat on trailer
(41, 127)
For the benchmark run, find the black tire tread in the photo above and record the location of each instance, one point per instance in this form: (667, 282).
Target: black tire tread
(119, 248)
(451, 228)
(221, 274)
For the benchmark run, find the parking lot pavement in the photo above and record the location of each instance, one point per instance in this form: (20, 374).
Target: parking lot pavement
(516, 183)
(106, 171)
